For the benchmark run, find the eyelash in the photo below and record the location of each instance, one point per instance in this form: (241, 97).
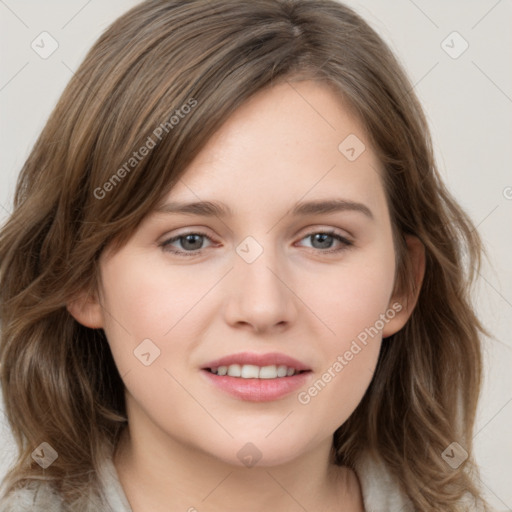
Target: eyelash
(344, 241)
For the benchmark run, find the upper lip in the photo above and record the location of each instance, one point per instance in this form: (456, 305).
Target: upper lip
(269, 359)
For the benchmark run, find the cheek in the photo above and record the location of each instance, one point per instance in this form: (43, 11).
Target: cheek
(352, 297)
(139, 304)
(144, 315)
(134, 311)
(353, 303)
(336, 392)
(349, 360)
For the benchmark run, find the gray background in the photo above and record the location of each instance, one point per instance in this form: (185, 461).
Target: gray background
(468, 102)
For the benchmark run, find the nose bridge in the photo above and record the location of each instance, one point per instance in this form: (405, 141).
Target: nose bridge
(257, 265)
(260, 297)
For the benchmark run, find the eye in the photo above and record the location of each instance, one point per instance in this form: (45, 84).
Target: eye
(322, 240)
(191, 244)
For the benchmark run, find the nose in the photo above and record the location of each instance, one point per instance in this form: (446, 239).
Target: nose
(260, 296)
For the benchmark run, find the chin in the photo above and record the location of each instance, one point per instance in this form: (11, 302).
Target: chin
(261, 452)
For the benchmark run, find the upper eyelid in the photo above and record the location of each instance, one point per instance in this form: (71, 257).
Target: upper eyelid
(311, 230)
(331, 231)
(315, 228)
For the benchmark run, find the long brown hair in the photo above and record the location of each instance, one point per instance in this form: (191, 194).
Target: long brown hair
(72, 200)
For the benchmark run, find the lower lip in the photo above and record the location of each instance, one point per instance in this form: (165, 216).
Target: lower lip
(257, 390)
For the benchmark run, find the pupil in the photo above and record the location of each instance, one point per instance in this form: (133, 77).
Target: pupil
(324, 239)
(190, 239)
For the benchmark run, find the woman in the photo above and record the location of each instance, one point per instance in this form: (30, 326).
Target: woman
(304, 357)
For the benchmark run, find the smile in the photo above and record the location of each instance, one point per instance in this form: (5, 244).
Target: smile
(251, 371)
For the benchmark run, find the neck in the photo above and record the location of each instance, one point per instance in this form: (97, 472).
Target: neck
(159, 473)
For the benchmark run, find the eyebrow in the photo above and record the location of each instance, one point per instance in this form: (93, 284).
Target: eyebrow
(218, 209)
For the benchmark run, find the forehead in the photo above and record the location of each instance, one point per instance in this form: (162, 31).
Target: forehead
(294, 140)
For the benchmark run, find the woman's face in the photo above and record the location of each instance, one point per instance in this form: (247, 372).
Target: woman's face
(286, 262)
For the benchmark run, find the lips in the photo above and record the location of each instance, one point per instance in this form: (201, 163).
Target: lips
(257, 377)
(260, 360)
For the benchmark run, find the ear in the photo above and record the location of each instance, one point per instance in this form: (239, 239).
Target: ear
(86, 310)
(404, 304)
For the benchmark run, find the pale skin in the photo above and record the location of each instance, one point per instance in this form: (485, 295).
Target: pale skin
(180, 451)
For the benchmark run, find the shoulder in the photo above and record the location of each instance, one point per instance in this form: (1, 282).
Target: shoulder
(40, 496)
(33, 497)
(380, 491)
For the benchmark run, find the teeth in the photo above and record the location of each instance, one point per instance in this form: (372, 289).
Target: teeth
(251, 371)
(282, 371)
(234, 370)
(268, 372)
